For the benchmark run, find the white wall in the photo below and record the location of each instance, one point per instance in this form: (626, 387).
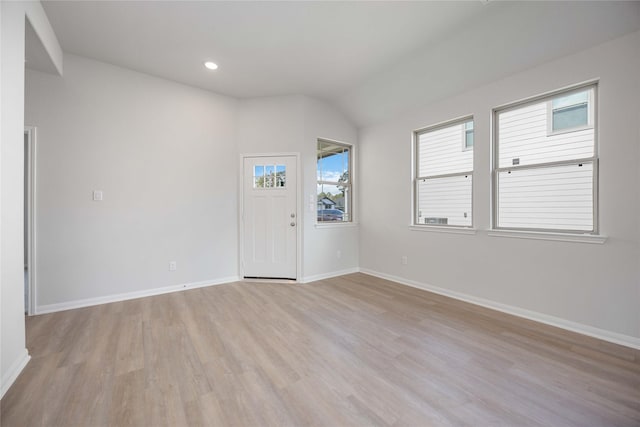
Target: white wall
(161, 153)
(595, 286)
(293, 124)
(13, 354)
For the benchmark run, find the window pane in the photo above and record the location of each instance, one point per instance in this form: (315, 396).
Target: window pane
(269, 176)
(440, 151)
(258, 177)
(281, 176)
(524, 139)
(333, 203)
(468, 143)
(333, 162)
(572, 99)
(445, 201)
(571, 117)
(556, 198)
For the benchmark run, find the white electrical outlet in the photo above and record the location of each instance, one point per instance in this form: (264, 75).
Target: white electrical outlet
(173, 266)
(404, 260)
(97, 195)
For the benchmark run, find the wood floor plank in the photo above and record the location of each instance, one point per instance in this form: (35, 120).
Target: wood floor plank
(353, 350)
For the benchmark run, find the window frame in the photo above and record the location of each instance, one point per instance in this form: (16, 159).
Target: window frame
(349, 184)
(594, 159)
(415, 178)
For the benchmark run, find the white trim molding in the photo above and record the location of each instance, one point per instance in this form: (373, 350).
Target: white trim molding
(316, 277)
(613, 337)
(558, 237)
(12, 373)
(440, 229)
(70, 305)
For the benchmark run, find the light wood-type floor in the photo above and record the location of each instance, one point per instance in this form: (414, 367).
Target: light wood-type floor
(353, 350)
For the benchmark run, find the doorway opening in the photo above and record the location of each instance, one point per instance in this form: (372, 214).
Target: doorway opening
(29, 219)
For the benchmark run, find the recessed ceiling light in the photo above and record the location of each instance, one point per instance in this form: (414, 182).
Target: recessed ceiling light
(211, 65)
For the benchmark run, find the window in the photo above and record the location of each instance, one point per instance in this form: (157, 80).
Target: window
(269, 176)
(443, 177)
(570, 112)
(468, 135)
(547, 181)
(335, 182)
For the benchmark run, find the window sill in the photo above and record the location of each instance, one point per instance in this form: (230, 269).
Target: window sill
(560, 237)
(440, 229)
(336, 225)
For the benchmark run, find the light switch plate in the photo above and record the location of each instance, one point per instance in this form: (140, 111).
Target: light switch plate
(97, 195)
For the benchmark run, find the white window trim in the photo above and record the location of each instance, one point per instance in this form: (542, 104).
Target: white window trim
(414, 178)
(452, 229)
(336, 224)
(552, 234)
(539, 235)
(352, 219)
(590, 109)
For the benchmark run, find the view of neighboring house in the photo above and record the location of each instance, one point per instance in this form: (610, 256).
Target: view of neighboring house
(326, 203)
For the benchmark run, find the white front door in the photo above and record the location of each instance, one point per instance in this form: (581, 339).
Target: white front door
(270, 218)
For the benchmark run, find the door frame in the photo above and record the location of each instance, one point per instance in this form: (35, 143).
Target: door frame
(300, 222)
(31, 133)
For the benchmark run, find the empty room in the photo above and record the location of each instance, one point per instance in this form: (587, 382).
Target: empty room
(319, 213)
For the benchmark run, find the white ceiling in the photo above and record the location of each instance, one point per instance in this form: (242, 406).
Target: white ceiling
(370, 59)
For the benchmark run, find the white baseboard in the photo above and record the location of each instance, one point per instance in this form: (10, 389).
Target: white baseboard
(10, 376)
(614, 337)
(51, 308)
(329, 275)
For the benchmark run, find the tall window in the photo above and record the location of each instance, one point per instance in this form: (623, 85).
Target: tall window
(443, 178)
(546, 165)
(335, 181)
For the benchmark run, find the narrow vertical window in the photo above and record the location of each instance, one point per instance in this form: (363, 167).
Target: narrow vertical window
(468, 135)
(335, 182)
(443, 178)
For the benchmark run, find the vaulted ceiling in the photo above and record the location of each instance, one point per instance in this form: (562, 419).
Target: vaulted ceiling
(372, 60)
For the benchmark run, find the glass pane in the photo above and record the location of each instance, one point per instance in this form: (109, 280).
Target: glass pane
(269, 176)
(281, 176)
(258, 177)
(524, 139)
(334, 203)
(553, 198)
(571, 117)
(333, 162)
(440, 151)
(445, 201)
(572, 99)
(468, 142)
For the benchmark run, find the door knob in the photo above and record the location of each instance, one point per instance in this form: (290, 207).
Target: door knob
(293, 224)
(293, 215)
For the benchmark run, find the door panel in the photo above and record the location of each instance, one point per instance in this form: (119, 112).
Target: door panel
(270, 217)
